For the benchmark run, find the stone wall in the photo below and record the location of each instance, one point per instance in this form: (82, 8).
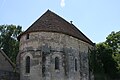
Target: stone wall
(4, 63)
(7, 68)
(7, 75)
(51, 45)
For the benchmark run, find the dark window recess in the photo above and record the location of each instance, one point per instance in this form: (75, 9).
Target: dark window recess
(27, 64)
(43, 70)
(43, 64)
(56, 63)
(27, 36)
(75, 64)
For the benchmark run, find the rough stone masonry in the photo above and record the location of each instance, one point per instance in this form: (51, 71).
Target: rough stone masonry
(53, 49)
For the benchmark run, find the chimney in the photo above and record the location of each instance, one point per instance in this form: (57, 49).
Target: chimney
(71, 22)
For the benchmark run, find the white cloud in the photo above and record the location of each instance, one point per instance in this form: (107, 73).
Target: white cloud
(62, 3)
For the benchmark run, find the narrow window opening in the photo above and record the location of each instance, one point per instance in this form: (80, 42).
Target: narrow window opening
(75, 64)
(43, 64)
(27, 36)
(28, 64)
(56, 63)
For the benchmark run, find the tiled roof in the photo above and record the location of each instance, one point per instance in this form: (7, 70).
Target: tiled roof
(51, 22)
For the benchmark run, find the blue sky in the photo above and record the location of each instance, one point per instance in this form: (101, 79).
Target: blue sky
(95, 18)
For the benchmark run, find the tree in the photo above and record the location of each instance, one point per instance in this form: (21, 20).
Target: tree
(113, 41)
(105, 58)
(96, 65)
(8, 40)
(109, 64)
(102, 62)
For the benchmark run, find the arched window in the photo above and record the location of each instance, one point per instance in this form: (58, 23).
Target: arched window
(27, 66)
(56, 63)
(75, 64)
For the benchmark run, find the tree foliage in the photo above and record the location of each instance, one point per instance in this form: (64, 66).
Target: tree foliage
(102, 61)
(96, 65)
(105, 55)
(113, 41)
(105, 58)
(8, 40)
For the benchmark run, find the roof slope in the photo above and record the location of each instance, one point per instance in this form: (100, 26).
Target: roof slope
(51, 22)
(7, 58)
